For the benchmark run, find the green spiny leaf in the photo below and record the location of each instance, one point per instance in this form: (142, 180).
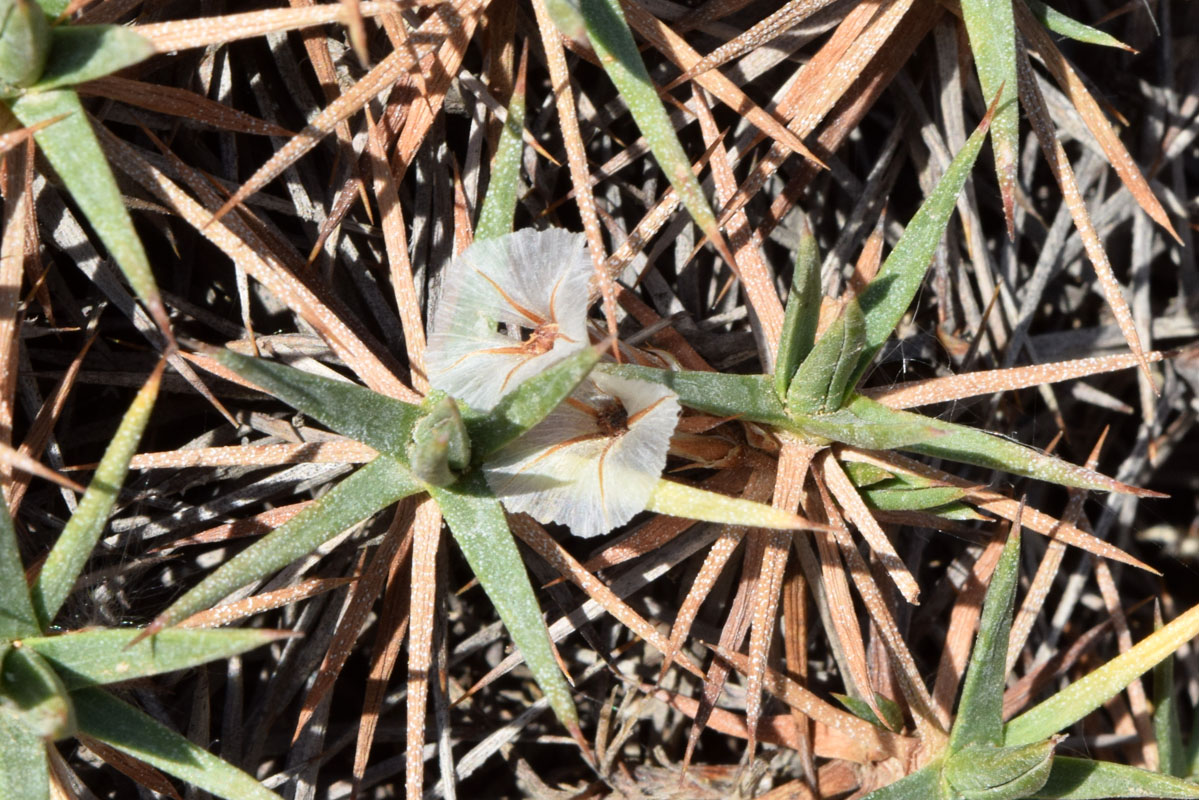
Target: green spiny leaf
(478, 525)
(88, 658)
(748, 397)
(372, 488)
(119, 725)
(872, 430)
(991, 26)
(823, 379)
(83, 529)
(1071, 28)
(984, 772)
(32, 693)
(71, 147)
(689, 502)
(1084, 696)
(499, 206)
(529, 403)
(24, 770)
(885, 300)
(53, 8)
(961, 512)
(972, 446)
(924, 784)
(354, 411)
(16, 610)
(802, 315)
(81, 53)
(1083, 779)
(864, 475)
(613, 43)
(885, 498)
(1167, 728)
(24, 44)
(980, 713)
(893, 715)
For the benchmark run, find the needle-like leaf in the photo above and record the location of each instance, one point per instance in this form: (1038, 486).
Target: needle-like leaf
(16, 610)
(499, 206)
(1084, 696)
(24, 771)
(802, 314)
(887, 298)
(1083, 779)
(477, 522)
(354, 411)
(81, 53)
(980, 711)
(71, 147)
(122, 726)
(33, 693)
(90, 658)
(991, 26)
(372, 488)
(82, 531)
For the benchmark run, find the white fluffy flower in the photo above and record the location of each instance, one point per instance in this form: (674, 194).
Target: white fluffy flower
(513, 306)
(594, 461)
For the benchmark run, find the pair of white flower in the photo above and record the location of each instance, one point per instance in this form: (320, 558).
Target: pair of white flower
(514, 306)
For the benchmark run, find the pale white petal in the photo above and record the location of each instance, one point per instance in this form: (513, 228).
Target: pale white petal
(522, 279)
(563, 471)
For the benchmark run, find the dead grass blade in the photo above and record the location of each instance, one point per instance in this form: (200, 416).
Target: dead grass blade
(1042, 581)
(1059, 164)
(845, 621)
(532, 534)
(180, 103)
(732, 634)
(257, 455)
(795, 654)
(963, 622)
(929, 728)
(795, 458)
(228, 613)
(367, 588)
(168, 37)
(857, 512)
(1092, 116)
(393, 625)
(883, 743)
(426, 534)
(973, 384)
(43, 424)
(374, 83)
(245, 248)
(395, 239)
(576, 158)
(257, 525)
(824, 80)
(675, 47)
(752, 270)
(760, 35)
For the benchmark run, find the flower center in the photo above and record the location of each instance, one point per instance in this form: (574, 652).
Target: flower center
(540, 339)
(611, 418)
